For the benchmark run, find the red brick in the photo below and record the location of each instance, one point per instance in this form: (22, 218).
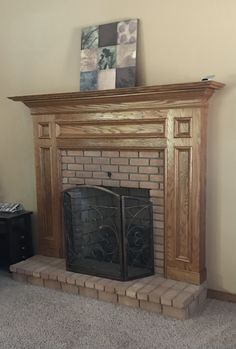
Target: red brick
(159, 270)
(104, 161)
(91, 282)
(75, 152)
(63, 275)
(101, 284)
(139, 162)
(159, 239)
(93, 181)
(182, 299)
(158, 224)
(68, 173)
(35, 281)
(129, 184)
(64, 180)
(159, 263)
(122, 287)
(110, 168)
(129, 154)
(52, 284)
(83, 174)
(76, 180)
(111, 286)
(138, 177)
(132, 302)
(158, 202)
(120, 161)
(119, 176)
(75, 167)
(157, 194)
(92, 167)
(107, 297)
(156, 178)
(176, 313)
(148, 185)
(148, 154)
(129, 169)
(155, 295)
(83, 160)
(92, 153)
(149, 306)
(159, 255)
(148, 170)
(158, 217)
(158, 248)
(80, 279)
(110, 154)
(159, 209)
(110, 182)
(100, 175)
(88, 292)
(157, 162)
(133, 289)
(144, 292)
(68, 159)
(168, 296)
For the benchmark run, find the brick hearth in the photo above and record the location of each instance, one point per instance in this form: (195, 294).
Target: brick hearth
(154, 293)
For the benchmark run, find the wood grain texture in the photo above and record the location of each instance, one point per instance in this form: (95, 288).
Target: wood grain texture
(171, 91)
(168, 117)
(118, 129)
(221, 295)
(183, 182)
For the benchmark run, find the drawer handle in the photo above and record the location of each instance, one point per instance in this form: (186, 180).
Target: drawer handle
(22, 236)
(23, 247)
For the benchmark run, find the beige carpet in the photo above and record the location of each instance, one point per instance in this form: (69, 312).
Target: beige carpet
(39, 318)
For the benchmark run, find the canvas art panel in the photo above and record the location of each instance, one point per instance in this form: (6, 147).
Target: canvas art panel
(108, 56)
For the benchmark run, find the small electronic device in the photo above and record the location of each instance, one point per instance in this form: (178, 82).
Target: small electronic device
(208, 78)
(6, 207)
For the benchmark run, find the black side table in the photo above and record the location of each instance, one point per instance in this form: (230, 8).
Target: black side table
(15, 237)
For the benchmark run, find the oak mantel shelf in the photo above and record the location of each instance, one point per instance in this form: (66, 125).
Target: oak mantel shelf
(202, 90)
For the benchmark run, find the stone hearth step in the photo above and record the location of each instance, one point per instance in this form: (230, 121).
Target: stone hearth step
(153, 293)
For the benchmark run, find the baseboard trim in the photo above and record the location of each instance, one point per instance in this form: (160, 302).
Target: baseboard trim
(221, 295)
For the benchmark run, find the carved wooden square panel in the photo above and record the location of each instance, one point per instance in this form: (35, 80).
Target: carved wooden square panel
(183, 127)
(44, 130)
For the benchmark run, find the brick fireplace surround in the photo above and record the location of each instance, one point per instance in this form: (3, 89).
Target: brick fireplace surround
(142, 137)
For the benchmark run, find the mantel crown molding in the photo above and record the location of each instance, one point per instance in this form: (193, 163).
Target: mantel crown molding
(200, 91)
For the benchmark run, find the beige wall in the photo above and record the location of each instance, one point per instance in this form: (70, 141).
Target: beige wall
(180, 41)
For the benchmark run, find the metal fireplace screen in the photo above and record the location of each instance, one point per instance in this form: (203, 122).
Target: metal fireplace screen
(108, 232)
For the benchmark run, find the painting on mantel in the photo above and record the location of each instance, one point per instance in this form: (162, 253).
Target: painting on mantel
(108, 56)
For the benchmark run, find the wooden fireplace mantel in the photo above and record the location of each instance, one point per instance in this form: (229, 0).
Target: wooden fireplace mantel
(172, 118)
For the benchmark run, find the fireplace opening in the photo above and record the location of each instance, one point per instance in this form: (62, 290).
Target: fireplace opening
(109, 231)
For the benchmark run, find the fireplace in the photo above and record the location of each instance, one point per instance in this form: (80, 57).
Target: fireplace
(164, 126)
(108, 231)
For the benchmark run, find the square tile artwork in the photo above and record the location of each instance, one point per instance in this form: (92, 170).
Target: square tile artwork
(108, 56)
